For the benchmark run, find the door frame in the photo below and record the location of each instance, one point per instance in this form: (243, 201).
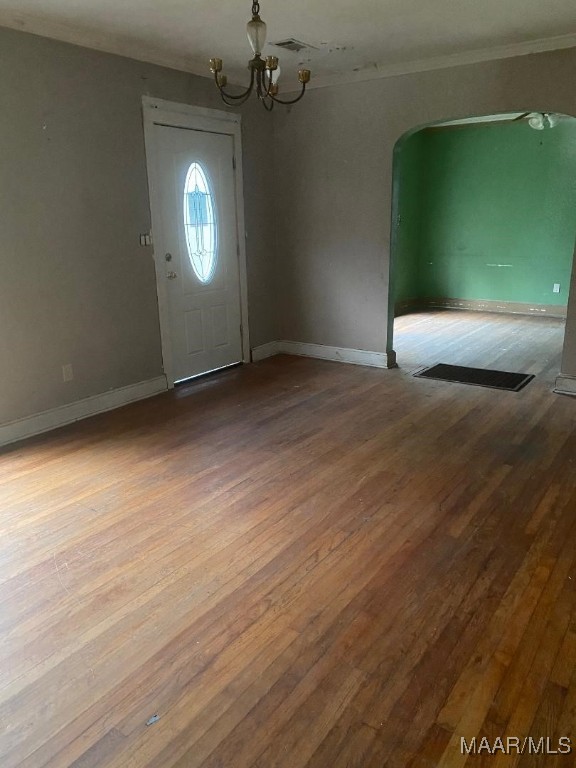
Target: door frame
(174, 115)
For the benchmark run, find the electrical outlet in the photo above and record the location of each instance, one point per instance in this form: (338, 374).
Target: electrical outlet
(67, 372)
(556, 288)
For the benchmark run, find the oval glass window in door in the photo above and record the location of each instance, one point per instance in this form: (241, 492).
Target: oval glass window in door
(200, 223)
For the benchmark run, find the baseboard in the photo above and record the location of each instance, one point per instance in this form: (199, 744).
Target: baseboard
(322, 352)
(264, 351)
(504, 307)
(565, 384)
(406, 306)
(81, 409)
(339, 354)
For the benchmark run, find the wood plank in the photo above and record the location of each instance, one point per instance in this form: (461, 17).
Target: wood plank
(298, 564)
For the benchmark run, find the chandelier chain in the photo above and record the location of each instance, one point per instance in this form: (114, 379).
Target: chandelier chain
(255, 8)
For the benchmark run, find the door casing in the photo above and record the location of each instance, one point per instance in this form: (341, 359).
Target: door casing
(174, 115)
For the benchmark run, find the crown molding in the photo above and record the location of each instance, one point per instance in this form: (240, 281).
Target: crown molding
(123, 46)
(451, 60)
(103, 41)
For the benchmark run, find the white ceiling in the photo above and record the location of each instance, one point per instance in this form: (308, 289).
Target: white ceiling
(353, 40)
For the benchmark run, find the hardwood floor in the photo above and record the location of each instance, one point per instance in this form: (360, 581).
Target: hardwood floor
(520, 343)
(298, 563)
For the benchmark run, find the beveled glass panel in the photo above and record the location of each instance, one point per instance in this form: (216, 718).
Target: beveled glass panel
(200, 223)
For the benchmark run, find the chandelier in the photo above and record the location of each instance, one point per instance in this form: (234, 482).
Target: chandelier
(264, 73)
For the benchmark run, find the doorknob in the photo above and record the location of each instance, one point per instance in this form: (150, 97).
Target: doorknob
(171, 275)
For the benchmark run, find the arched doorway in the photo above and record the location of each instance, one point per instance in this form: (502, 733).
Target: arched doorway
(472, 240)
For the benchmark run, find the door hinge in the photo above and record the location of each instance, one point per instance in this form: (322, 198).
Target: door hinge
(234, 162)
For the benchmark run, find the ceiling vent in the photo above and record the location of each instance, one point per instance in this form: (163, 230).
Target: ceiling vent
(290, 44)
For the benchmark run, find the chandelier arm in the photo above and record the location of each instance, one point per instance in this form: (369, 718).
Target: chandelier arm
(259, 83)
(262, 92)
(268, 87)
(233, 103)
(290, 101)
(235, 100)
(240, 98)
(263, 89)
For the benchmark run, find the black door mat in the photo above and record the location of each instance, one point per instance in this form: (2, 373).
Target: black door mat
(479, 377)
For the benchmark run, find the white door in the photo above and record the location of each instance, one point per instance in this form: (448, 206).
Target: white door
(196, 249)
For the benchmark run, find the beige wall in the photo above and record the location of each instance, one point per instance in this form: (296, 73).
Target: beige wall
(258, 152)
(334, 176)
(75, 286)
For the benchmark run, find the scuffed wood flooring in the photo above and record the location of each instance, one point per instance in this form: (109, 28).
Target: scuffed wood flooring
(298, 564)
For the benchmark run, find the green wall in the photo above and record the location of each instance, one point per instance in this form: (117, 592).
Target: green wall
(408, 181)
(486, 212)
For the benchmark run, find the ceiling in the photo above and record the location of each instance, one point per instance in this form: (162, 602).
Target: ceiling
(351, 40)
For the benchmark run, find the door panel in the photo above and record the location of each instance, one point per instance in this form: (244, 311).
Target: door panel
(194, 331)
(199, 246)
(220, 326)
